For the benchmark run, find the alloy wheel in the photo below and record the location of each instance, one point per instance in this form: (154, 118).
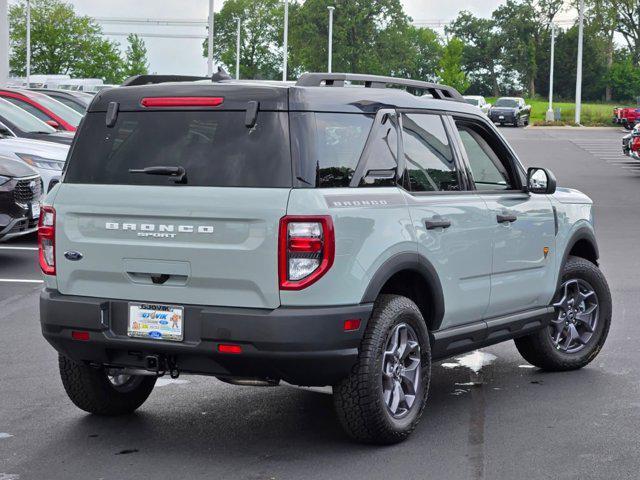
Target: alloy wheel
(576, 316)
(401, 370)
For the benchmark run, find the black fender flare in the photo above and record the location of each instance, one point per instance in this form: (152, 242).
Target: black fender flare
(582, 233)
(412, 262)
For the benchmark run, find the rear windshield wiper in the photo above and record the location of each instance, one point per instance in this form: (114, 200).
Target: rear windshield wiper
(179, 173)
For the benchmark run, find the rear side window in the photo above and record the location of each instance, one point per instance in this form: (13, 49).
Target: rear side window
(216, 149)
(29, 108)
(327, 146)
(429, 158)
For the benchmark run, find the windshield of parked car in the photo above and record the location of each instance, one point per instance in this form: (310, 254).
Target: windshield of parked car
(67, 114)
(506, 102)
(22, 119)
(473, 101)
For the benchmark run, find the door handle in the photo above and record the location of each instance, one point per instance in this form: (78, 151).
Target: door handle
(506, 218)
(437, 223)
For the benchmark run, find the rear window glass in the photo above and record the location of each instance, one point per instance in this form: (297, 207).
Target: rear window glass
(215, 148)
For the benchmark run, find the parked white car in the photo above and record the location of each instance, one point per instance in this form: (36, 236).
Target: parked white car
(479, 101)
(46, 158)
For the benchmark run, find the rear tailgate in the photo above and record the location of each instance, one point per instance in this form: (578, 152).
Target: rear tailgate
(213, 246)
(209, 238)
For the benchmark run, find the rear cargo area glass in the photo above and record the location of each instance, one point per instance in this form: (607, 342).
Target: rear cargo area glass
(216, 149)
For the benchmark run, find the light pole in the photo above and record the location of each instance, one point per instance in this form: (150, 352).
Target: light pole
(550, 116)
(579, 69)
(285, 52)
(4, 43)
(330, 59)
(210, 44)
(238, 51)
(28, 43)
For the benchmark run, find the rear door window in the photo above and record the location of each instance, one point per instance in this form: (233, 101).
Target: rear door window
(428, 155)
(216, 149)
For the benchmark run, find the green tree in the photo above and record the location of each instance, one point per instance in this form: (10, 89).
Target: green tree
(624, 77)
(603, 16)
(450, 72)
(136, 57)
(426, 52)
(62, 42)
(482, 54)
(260, 37)
(525, 30)
(368, 37)
(629, 25)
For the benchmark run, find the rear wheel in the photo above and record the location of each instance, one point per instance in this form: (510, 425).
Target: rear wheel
(581, 322)
(383, 398)
(102, 391)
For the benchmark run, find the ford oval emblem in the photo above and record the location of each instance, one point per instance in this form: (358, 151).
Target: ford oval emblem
(155, 334)
(73, 255)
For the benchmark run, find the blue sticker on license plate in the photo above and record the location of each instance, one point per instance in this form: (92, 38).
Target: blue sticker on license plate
(157, 322)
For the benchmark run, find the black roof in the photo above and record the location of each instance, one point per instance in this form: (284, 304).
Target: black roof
(347, 93)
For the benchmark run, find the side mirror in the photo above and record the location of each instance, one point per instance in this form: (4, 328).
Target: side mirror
(53, 123)
(540, 180)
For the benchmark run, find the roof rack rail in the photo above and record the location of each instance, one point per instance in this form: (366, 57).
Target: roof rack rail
(441, 92)
(153, 79)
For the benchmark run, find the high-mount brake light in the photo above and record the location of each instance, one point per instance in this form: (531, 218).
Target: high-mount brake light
(306, 250)
(151, 102)
(231, 348)
(47, 240)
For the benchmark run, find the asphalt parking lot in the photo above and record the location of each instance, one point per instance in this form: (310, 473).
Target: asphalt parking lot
(505, 421)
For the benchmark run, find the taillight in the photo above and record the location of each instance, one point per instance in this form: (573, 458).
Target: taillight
(306, 250)
(635, 144)
(47, 240)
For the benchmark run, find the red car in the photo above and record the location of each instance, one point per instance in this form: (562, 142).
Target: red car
(626, 116)
(44, 107)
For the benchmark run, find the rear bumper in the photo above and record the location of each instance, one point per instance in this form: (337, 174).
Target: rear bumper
(303, 346)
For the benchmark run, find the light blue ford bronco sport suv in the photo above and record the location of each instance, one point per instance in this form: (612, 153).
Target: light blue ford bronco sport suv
(345, 230)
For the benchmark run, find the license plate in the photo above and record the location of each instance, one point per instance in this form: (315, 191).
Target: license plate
(501, 117)
(35, 210)
(156, 322)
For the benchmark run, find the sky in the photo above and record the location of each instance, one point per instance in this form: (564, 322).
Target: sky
(184, 56)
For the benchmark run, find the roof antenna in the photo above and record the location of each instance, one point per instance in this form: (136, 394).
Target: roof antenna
(220, 75)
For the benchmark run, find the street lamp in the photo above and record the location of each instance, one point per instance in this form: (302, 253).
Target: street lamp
(579, 70)
(238, 51)
(4, 43)
(210, 43)
(28, 43)
(550, 117)
(286, 41)
(331, 9)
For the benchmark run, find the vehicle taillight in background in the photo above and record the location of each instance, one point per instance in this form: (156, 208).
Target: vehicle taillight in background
(47, 240)
(306, 250)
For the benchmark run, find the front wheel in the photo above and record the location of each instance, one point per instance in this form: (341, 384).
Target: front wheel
(383, 398)
(581, 321)
(101, 391)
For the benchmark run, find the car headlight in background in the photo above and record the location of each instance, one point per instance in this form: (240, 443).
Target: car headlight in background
(41, 162)
(4, 179)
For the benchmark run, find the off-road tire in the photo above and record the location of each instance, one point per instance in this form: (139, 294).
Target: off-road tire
(358, 398)
(90, 389)
(538, 348)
